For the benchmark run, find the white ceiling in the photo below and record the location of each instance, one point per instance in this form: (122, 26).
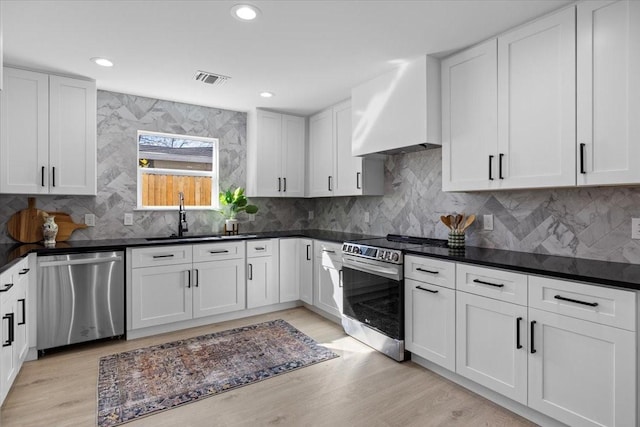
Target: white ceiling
(309, 53)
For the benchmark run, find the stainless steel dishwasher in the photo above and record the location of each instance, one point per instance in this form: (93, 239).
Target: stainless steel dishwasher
(80, 298)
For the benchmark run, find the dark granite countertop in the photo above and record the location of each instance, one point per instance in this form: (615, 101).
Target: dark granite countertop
(590, 271)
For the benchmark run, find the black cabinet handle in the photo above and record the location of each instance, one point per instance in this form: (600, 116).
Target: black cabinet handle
(219, 251)
(163, 256)
(329, 184)
(426, 271)
(9, 317)
(188, 278)
(328, 251)
(340, 277)
(497, 285)
(53, 176)
(279, 184)
(42, 177)
(590, 304)
(7, 286)
(518, 345)
(358, 180)
(500, 166)
(285, 184)
(533, 348)
(582, 147)
(197, 277)
(23, 302)
(250, 272)
(490, 167)
(425, 289)
(24, 271)
(308, 257)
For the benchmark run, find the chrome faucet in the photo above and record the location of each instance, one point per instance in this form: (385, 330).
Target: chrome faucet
(183, 226)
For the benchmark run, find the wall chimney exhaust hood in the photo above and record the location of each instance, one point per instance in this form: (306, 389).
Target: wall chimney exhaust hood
(399, 111)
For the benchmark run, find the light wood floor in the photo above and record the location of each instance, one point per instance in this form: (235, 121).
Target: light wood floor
(359, 388)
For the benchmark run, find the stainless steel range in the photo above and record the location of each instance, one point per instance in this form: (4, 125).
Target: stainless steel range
(373, 290)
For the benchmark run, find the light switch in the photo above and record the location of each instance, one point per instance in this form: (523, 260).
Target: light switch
(90, 220)
(366, 217)
(128, 219)
(310, 215)
(487, 221)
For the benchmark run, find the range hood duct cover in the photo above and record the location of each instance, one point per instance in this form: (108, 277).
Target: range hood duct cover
(211, 78)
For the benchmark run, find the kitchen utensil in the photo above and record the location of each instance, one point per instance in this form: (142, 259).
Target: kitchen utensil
(446, 221)
(468, 222)
(25, 226)
(458, 220)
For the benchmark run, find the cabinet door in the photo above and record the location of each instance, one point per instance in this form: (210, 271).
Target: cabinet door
(160, 295)
(321, 154)
(290, 263)
(430, 322)
(349, 180)
(582, 373)
(262, 282)
(72, 138)
(21, 325)
(470, 119)
(293, 159)
(8, 355)
(306, 271)
(536, 103)
(24, 132)
(328, 288)
(491, 349)
(219, 287)
(269, 156)
(608, 60)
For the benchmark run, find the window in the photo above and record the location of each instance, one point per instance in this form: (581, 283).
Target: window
(169, 164)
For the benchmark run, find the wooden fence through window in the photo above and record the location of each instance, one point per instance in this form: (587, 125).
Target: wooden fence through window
(162, 190)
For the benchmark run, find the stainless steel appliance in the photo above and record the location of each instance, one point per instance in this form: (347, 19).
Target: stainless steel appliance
(80, 298)
(373, 290)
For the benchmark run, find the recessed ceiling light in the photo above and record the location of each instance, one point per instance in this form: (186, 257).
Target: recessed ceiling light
(104, 62)
(266, 94)
(245, 12)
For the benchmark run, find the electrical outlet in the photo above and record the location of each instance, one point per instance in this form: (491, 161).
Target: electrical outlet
(366, 217)
(252, 217)
(635, 228)
(310, 215)
(90, 220)
(487, 220)
(128, 219)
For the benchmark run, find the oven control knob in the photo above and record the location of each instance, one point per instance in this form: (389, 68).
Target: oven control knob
(356, 250)
(380, 254)
(395, 257)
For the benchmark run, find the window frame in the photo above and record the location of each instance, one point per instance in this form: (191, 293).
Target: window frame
(214, 173)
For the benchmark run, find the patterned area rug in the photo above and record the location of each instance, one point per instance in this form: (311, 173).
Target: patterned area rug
(142, 382)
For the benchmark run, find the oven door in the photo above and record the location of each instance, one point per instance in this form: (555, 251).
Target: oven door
(373, 294)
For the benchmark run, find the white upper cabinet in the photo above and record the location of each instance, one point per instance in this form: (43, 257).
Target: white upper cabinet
(398, 109)
(275, 155)
(333, 170)
(608, 58)
(48, 134)
(536, 103)
(469, 119)
(520, 131)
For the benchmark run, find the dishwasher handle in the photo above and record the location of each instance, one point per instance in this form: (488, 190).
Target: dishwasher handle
(80, 261)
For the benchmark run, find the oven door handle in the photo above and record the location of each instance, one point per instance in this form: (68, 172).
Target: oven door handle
(392, 273)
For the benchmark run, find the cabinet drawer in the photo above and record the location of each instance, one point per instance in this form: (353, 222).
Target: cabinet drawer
(161, 255)
(429, 270)
(328, 252)
(261, 247)
(499, 284)
(214, 251)
(608, 306)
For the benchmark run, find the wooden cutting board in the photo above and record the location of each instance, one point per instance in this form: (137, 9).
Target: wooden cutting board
(25, 226)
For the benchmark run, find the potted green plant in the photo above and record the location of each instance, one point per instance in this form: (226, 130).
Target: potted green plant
(231, 203)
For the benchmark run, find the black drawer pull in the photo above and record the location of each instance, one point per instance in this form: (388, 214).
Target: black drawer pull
(250, 271)
(518, 345)
(53, 176)
(500, 166)
(425, 289)
(259, 248)
(590, 304)
(308, 257)
(9, 317)
(25, 271)
(42, 182)
(497, 285)
(328, 251)
(490, 167)
(279, 184)
(219, 251)
(358, 181)
(163, 256)
(7, 286)
(285, 184)
(24, 311)
(582, 147)
(426, 271)
(533, 348)
(189, 278)
(197, 277)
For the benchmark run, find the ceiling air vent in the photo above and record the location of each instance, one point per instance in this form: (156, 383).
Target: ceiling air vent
(210, 78)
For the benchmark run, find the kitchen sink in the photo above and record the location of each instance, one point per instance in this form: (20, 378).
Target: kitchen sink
(203, 238)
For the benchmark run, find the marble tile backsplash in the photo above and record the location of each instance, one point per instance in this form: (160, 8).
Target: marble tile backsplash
(592, 223)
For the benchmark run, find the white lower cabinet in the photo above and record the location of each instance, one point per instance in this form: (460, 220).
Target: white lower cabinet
(218, 287)
(262, 273)
(296, 270)
(328, 278)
